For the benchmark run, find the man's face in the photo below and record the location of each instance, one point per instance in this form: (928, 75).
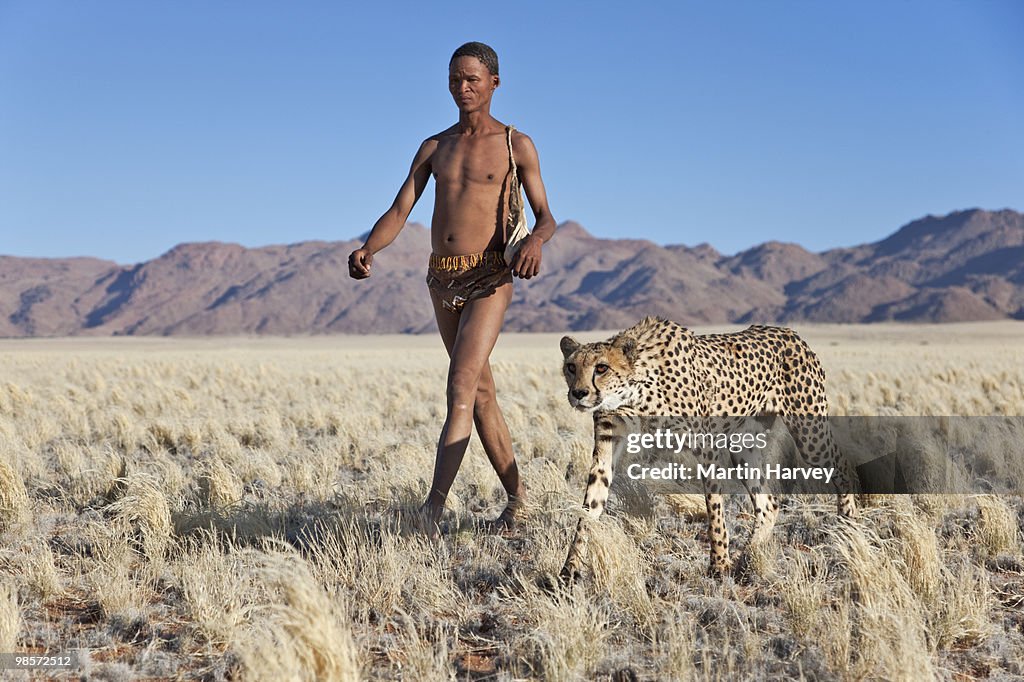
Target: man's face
(470, 83)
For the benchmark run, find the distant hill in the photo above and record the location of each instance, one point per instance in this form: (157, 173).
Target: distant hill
(968, 265)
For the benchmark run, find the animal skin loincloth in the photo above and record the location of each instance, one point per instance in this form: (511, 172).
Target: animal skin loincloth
(457, 279)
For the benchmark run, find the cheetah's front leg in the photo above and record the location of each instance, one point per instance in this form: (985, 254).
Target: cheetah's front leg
(598, 483)
(718, 533)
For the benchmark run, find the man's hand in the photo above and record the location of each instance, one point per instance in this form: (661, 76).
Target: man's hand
(526, 264)
(359, 263)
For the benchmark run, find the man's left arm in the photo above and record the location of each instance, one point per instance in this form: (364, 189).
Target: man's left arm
(527, 262)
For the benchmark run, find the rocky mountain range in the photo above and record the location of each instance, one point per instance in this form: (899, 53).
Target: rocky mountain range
(968, 265)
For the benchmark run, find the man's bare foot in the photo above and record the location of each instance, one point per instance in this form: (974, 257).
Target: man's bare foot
(426, 520)
(506, 521)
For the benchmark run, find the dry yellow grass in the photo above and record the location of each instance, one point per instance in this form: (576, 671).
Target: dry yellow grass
(13, 498)
(236, 508)
(10, 618)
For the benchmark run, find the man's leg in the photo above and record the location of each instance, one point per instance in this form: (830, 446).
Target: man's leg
(490, 422)
(497, 442)
(476, 332)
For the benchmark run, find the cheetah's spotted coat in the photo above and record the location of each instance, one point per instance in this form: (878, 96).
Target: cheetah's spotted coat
(659, 368)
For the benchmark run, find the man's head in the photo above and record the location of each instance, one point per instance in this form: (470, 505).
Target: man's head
(487, 56)
(473, 76)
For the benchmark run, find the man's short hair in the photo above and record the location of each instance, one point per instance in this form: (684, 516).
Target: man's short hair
(487, 56)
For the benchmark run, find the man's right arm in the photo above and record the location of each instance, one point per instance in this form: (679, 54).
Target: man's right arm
(391, 223)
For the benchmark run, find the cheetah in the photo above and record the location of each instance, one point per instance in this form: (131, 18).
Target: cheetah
(659, 368)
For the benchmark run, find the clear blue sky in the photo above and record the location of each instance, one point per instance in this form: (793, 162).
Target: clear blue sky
(128, 127)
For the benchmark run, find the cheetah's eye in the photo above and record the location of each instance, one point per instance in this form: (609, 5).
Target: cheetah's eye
(571, 367)
(601, 369)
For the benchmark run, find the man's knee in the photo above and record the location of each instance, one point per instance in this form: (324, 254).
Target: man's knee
(484, 396)
(462, 389)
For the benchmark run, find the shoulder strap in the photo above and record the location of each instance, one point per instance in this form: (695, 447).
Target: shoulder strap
(511, 159)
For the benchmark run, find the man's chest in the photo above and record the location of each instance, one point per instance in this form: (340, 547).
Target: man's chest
(471, 162)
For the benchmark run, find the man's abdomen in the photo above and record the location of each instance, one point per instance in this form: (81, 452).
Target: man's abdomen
(467, 221)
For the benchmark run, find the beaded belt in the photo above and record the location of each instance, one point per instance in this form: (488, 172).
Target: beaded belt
(460, 263)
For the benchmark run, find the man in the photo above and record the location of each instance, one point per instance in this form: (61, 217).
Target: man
(470, 283)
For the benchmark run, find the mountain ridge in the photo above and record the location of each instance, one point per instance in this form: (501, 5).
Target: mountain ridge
(966, 265)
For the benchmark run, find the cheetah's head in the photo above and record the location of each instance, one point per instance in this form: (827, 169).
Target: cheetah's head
(598, 373)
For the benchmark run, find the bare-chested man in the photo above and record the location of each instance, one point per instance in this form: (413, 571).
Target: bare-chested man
(470, 283)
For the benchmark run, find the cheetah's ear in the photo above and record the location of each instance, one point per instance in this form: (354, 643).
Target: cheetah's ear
(568, 346)
(627, 345)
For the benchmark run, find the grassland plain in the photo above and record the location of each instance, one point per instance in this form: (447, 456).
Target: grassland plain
(233, 509)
